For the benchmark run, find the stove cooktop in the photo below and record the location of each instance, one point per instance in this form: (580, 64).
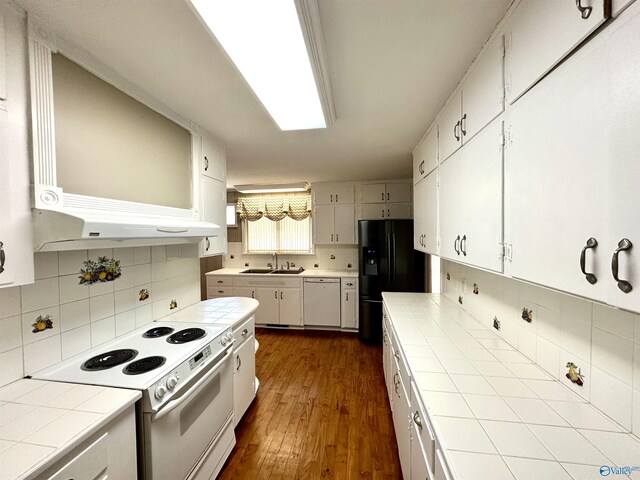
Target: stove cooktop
(138, 359)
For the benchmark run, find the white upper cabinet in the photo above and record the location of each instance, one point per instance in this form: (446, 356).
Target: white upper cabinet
(574, 171)
(450, 136)
(425, 155)
(540, 33)
(476, 104)
(334, 224)
(213, 163)
(214, 209)
(344, 225)
(389, 192)
(483, 91)
(372, 193)
(333, 194)
(471, 201)
(425, 205)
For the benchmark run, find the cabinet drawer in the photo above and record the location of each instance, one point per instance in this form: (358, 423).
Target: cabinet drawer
(275, 281)
(90, 463)
(422, 426)
(220, 281)
(349, 284)
(244, 331)
(213, 292)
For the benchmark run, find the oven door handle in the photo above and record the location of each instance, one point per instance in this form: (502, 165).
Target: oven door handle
(173, 404)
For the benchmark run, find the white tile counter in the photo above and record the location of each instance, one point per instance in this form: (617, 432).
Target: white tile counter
(41, 421)
(496, 414)
(221, 311)
(305, 273)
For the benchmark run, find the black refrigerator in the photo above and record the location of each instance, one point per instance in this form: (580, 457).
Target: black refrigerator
(387, 263)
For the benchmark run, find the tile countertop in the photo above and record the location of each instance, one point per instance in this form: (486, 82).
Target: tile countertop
(496, 414)
(230, 311)
(306, 273)
(41, 421)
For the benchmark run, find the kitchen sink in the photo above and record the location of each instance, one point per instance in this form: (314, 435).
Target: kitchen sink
(289, 272)
(258, 270)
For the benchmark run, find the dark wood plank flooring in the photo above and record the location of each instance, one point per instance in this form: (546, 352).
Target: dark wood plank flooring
(321, 411)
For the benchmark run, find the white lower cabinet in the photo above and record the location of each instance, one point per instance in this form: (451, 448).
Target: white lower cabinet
(269, 309)
(471, 201)
(349, 304)
(574, 172)
(244, 374)
(279, 306)
(400, 413)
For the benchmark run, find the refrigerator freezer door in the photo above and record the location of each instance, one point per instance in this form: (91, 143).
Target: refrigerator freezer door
(370, 328)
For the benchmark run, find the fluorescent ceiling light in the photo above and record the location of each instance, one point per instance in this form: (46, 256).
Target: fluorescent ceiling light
(273, 188)
(264, 39)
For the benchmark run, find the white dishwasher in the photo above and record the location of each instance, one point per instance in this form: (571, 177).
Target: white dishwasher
(322, 302)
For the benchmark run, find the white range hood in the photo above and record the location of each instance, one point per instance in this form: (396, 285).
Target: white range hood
(81, 229)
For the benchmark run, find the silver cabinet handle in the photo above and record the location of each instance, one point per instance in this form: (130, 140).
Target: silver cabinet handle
(591, 243)
(244, 332)
(238, 362)
(455, 245)
(206, 163)
(455, 131)
(463, 124)
(463, 245)
(585, 12)
(3, 257)
(623, 245)
(397, 355)
(417, 420)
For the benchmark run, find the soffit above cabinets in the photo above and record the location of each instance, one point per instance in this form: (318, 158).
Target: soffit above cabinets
(391, 67)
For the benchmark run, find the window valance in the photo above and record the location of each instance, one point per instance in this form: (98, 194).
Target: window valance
(296, 207)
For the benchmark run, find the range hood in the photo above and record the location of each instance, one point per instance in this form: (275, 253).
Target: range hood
(79, 230)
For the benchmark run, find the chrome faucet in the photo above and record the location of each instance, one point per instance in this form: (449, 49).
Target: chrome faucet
(275, 255)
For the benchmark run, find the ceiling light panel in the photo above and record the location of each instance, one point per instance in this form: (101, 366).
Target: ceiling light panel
(264, 40)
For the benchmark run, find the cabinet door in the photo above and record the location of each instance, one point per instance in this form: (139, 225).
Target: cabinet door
(349, 307)
(323, 224)
(372, 193)
(214, 205)
(213, 159)
(398, 192)
(7, 234)
(419, 467)
(541, 33)
(425, 155)
(244, 378)
(373, 211)
(401, 425)
(344, 194)
(574, 170)
(426, 214)
(450, 137)
(268, 312)
(248, 292)
(290, 306)
(483, 91)
(345, 226)
(323, 194)
(398, 210)
(471, 201)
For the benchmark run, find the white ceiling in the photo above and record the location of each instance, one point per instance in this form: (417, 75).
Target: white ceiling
(392, 65)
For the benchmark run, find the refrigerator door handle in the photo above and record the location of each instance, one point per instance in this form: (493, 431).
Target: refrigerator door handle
(390, 262)
(373, 301)
(393, 255)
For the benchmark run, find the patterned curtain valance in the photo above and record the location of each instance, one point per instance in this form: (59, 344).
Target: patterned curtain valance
(296, 207)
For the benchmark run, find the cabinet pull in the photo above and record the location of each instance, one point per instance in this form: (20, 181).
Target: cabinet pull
(208, 245)
(331, 198)
(2, 257)
(421, 168)
(206, 163)
(463, 245)
(624, 244)
(275, 294)
(238, 362)
(220, 281)
(347, 295)
(388, 196)
(397, 355)
(220, 291)
(280, 295)
(332, 237)
(349, 284)
(417, 420)
(585, 12)
(455, 130)
(591, 243)
(455, 245)
(383, 213)
(244, 332)
(337, 236)
(388, 213)
(253, 294)
(336, 198)
(463, 127)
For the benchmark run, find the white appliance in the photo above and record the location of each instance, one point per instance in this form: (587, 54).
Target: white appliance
(85, 229)
(185, 373)
(322, 302)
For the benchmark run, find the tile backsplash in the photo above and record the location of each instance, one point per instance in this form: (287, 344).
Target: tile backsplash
(58, 317)
(326, 257)
(554, 330)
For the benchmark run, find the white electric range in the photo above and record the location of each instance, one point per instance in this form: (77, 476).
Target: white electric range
(185, 373)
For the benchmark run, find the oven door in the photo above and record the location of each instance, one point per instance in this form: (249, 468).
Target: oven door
(179, 434)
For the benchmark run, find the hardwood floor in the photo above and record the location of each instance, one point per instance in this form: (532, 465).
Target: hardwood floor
(321, 411)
